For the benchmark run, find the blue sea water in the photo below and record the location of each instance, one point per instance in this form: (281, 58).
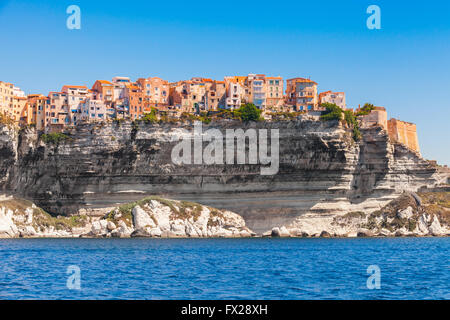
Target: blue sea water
(411, 268)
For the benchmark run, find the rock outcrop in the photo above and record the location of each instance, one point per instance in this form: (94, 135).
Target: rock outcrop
(149, 217)
(411, 214)
(322, 171)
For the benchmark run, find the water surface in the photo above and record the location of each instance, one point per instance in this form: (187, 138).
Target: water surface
(411, 268)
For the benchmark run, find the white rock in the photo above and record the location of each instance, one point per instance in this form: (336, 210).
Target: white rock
(406, 213)
(29, 213)
(435, 227)
(110, 226)
(8, 228)
(422, 225)
(155, 232)
(284, 232)
(141, 219)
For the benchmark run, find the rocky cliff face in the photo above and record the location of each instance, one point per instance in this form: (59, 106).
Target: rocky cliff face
(148, 217)
(322, 171)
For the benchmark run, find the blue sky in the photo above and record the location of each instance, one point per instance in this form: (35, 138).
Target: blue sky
(405, 66)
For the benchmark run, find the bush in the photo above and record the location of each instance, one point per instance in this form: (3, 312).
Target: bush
(151, 117)
(248, 112)
(54, 138)
(332, 112)
(366, 109)
(352, 122)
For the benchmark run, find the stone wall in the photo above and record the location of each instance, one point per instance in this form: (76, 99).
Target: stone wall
(404, 133)
(377, 117)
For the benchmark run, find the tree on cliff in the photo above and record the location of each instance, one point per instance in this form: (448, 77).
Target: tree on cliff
(249, 112)
(332, 112)
(366, 109)
(150, 117)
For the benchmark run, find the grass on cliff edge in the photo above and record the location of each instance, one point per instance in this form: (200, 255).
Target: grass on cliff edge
(179, 209)
(41, 218)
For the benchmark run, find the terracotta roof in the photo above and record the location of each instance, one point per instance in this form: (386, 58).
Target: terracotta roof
(301, 80)
(105, 82)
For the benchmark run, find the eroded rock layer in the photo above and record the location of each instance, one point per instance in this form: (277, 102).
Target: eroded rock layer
(322, 171)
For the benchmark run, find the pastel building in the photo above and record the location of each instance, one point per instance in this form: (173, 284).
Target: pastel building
(215, 95)
(234, 92)
(155, 92)
(135, 101)
(75, 96)
(178, 96)
(18, 109)
(6, 98)
(17, 92)
(190, 95)
(337, 98)
(36, 110)
(274, 93)
(93, 110)
(301, 94)
(57, 110)
(120, 85)
(256, 93)
(103, 90)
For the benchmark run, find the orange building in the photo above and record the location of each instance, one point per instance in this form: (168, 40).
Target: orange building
(301, 94)
(103, 90)
(155, 92)
(135, 99)
(404, 133)
(19, 108)
(37, 104)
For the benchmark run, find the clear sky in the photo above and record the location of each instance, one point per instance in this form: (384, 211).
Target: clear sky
(404, 67)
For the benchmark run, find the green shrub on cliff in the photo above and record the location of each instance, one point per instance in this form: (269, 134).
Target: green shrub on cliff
(150, 117)
(365, 110)
(54, 138)
(352, 122)
(332, 112)
(248, 112)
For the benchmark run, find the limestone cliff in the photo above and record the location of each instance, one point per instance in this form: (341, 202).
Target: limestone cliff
(148, 217)
(322, 171)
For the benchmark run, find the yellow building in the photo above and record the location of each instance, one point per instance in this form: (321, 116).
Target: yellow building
(6, 98)
(19, 109)
(36, 110)
(274, 93)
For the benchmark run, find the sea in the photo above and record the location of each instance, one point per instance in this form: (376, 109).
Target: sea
(254, 268)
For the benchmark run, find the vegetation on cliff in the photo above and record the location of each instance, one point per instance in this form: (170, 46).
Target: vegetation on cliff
(334, 112)
(54, 138)
(365, 110)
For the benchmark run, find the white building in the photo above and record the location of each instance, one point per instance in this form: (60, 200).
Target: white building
(234, 92)
(76, 95)
(18, 93)
(338, 98)
(93, 110)
(120, 84)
